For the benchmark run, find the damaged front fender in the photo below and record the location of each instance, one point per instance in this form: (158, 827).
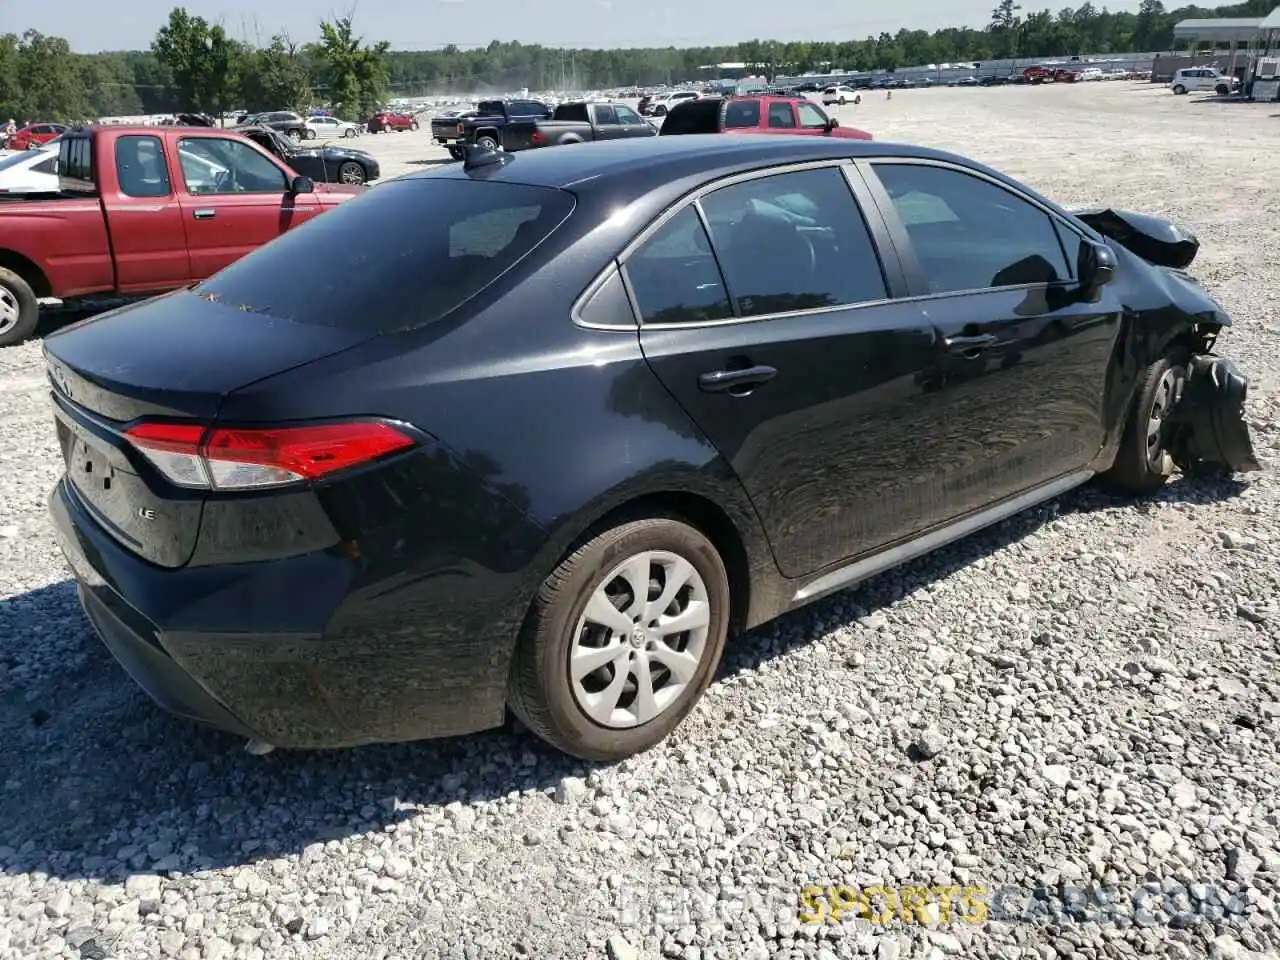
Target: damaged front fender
(1207, 432)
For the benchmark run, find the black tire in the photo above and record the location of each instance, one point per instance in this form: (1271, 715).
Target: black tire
(1179, 90)
(414, 125)
(659, 111)
(540, 690)
(308, 134)
(1222, 90)
(1138, 470)
(15, 291)
(487, 142)
(456, 152)
(352, 173)
(349, 132)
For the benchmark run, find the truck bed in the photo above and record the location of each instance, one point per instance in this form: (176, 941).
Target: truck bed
(70, 233)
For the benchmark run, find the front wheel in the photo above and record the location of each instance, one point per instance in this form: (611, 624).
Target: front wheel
(1222, 90)
(1179, 90)
(1144, 463)
(19, 309)
(308, 134)
(622, 640)
(659, 111)
(414, 125)
(349, 132)
(352, 173)
(842, 101)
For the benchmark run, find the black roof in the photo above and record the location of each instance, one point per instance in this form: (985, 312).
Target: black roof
(671, 158)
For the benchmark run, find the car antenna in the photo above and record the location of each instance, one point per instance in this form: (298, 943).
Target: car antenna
(476, 157)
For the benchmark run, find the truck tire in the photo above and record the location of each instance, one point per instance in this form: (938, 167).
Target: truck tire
(19, 310)
(486, 142)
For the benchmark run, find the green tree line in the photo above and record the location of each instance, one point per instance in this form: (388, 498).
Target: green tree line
(195, 65)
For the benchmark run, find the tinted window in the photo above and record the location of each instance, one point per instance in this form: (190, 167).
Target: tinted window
(793, 241)
(742, 114)
(457, 237)
(528, 108)
(781, 115)
(811, 117)
(490, 108)
(247, 171)
(75, 162)
(674, 275)
(608, 305)
(49, 165)
(606, 115)
(627, 116)
(970, 234)
(140, 167)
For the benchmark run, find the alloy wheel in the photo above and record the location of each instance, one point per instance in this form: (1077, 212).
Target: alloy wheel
(351, 173)
(10, 310)
(640, 640)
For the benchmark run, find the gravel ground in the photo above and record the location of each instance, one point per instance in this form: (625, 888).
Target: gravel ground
(1080, 705)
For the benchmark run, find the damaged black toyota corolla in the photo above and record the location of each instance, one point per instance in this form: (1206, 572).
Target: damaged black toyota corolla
(572, 418)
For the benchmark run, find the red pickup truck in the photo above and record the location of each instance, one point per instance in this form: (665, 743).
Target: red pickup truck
(755, 114)
(143, 210)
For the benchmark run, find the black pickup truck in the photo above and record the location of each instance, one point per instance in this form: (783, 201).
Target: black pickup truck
(492, 117)
(576, 123)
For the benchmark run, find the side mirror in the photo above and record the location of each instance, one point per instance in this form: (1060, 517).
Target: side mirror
(832, 123)
(302, 184)
(1096, 266)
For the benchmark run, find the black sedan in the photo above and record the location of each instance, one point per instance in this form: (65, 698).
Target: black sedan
(333, 163)
(542, 431)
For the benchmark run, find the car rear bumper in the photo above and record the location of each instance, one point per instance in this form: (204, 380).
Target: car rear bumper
(292, 652)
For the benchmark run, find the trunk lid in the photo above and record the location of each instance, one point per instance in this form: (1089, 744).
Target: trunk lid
(176, 356)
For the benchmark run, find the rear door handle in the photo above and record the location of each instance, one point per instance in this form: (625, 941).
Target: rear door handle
(720, 381)
(204, 214)
(970, 344)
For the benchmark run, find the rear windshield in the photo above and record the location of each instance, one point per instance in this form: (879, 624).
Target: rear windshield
(491, 108)
(403, 255)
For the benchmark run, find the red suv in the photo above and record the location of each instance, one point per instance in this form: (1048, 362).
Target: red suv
(386, 120)
(756, 114)
(28, 138)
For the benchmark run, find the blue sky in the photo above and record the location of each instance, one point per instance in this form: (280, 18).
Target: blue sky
(92, 25)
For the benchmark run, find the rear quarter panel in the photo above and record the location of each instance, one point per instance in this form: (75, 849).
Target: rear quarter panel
(65, 239)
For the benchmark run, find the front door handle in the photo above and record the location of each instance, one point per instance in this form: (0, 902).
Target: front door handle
(204, 214)
(970, 344)
(722, 381)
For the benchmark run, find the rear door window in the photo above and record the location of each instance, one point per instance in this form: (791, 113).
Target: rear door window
(794, 241)
(674, 275)
(457, 237)
(742, 114)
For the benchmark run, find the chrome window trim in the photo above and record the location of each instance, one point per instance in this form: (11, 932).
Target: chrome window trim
(840, 164)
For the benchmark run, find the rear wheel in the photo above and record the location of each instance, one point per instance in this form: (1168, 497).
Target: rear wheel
(1143, 463)
(486, 143)
(622, 640)
(456, 152)
(19, 310)
(308, 134)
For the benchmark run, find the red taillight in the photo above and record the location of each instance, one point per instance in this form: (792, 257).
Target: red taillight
(459, 129)
(537, 138)
(226, 458)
